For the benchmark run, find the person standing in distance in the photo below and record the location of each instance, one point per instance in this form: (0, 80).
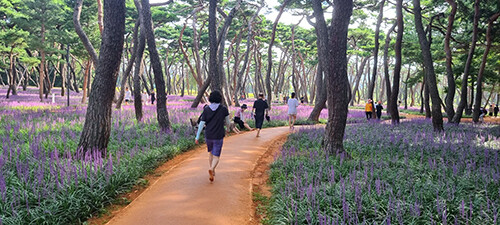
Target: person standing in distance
(215, 116)
(379, 108)
(293, 103)
(260, 107)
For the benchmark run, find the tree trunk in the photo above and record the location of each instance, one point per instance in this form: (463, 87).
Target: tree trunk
(386, 66)
(332, 52)
(161, 105)
(99, 16)
(42, 64)
(479, 90)
(427, 105)
(97, 127)
(137, 43)
(450, 96)
(397, 67)
(245, 60)
(375, 51)
(358, 78)
(83, 37)
(437, 116)
(85, 81)
(269, 96)
(320, 102)
(463, 96)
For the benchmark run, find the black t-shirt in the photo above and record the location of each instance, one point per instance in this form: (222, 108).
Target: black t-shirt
(260, 106)
(379, 108)
(215, 127)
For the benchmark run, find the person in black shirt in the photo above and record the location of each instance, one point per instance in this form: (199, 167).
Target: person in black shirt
(260, 107)
(495, 110)
(215, 116)
(379, 108)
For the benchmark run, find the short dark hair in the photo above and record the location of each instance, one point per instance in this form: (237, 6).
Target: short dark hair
(244, 106)
(215, 97)
(293, 94)
(261, 95)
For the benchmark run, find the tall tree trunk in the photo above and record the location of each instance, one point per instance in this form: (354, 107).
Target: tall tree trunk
(320, 102)
(406, 87)
(245, 60)
(463, 95)
(86, 80)
(269, 96)
(479, 87)
(375, 51)
(99, 16)
(358, 78)
(135, 51)
(332, 52)
(83, 37)
(450, 96)
(437, 116)
(42, 63)
(97, 127)
(161, 105)
(397, 67)
(221, 40)
(386, 66)
(427, 101)
(216, 79)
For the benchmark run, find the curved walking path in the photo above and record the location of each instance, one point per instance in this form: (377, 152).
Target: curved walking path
(184, 195)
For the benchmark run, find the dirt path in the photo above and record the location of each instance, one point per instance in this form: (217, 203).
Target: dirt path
(186, 196)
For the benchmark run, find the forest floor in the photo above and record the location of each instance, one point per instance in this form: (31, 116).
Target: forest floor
(181, 193)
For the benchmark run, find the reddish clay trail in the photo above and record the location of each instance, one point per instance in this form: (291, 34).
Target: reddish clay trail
(186, 196)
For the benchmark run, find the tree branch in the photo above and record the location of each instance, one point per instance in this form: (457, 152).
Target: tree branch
(78, 28)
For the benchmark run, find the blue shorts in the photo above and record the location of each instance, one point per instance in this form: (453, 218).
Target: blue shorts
(214, 146)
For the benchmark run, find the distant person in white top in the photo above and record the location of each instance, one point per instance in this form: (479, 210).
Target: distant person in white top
(145, 97)
(128, 95)
(293, 103)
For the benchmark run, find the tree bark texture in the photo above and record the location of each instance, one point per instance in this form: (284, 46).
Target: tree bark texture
(97, 127)
(397, 67)
(437, 116)
(450, 111)
(247, 53)
(83, 37)
(479, 87)
(161, 99)
(375, 50)
(269, 96)
(131, 61)
(386, 66)
(333, 53)
(463, 95)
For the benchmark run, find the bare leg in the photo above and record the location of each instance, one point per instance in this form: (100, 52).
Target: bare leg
(248, 126)
(258, 133)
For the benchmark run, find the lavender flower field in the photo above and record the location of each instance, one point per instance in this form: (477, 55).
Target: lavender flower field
(44, 181)
(403, 174)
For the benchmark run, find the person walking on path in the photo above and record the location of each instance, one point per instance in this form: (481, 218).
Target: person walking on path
(215, 116)
(369, 109)
(495, 110)
(260, 108)
(379, 108)
(240, 119)
(492, 108)
(153, 98)
(293, 103)
(128, 96)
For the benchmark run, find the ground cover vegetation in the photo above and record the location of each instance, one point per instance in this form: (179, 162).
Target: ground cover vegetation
(402, 174)
(432, 58)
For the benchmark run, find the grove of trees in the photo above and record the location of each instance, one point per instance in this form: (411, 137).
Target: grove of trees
(442, 56)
